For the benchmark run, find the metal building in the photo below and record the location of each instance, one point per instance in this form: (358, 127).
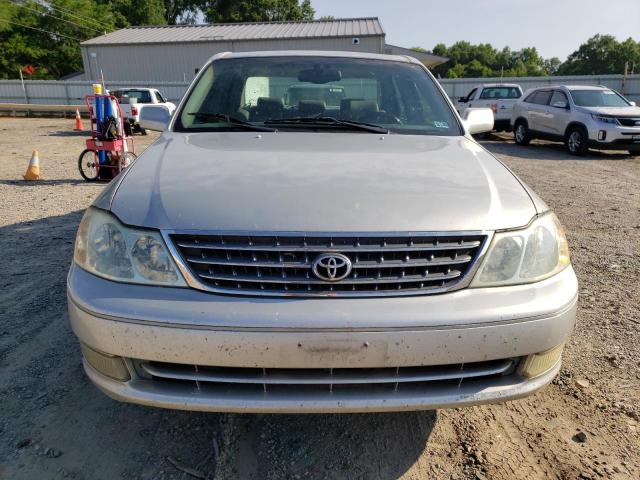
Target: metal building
(173, 53)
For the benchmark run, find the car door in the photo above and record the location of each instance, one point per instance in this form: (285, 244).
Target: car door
(466, 102)
(538, 107)
(558, 114)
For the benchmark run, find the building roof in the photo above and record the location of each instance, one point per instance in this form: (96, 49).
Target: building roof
(220, 32)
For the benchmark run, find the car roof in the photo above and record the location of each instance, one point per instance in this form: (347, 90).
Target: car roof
(489, 85)
(317, 53)
(570, 87)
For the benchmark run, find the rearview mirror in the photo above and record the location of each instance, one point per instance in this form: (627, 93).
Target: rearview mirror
(320, 75)
(478, 120)
(154, 117)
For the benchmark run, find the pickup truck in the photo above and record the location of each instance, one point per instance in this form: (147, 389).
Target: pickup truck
(499, 97)
(133, 100)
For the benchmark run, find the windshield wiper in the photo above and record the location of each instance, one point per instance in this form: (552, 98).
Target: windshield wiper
(327, 121)
(223, 117)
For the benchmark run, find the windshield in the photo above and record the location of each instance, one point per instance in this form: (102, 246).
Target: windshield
(598, 98)
(400, 97)
(500, 93)
(142, 96)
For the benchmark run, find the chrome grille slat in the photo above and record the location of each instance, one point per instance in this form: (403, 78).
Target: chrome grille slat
(283, 264)
(419, 262)
(312, 281)
(328, 249)
(330, 376)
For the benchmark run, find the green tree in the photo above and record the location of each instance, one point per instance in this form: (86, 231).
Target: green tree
(551, 65)
(48, 35)
(601, 54)
(227, 11)
(136, 12)
(483, 60)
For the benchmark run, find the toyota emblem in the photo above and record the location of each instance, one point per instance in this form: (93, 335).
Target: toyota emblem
(331, 267)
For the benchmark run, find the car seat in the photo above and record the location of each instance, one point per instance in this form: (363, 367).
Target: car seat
(310, 108)
(266, 108)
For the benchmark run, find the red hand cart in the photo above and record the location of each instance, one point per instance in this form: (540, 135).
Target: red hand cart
(118, 146)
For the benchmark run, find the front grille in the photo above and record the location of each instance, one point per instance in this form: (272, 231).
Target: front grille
(283, 265)
(629, 122)
(323, 379)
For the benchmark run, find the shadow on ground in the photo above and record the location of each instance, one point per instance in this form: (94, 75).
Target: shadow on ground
(59, 181)
(56, 424)
(542, 150)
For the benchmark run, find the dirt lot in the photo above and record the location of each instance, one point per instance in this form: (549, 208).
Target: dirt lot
(55, 424)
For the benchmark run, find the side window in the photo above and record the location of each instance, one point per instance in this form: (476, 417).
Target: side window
(559, 99)
(542, 97)
(159, 97)
(530, 97)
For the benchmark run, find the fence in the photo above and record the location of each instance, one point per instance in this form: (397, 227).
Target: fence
(629, 86)
(52, 92)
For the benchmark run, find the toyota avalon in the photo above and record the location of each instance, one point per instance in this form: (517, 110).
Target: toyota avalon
(319, 232)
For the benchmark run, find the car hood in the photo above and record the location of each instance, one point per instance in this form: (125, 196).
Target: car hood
(322, 182)
(613, 111)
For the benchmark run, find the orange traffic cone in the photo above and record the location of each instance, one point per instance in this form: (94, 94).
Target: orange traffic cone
(33, 170)
(79, 126)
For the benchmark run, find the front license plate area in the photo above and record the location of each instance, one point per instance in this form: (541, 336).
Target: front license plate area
(337, 352)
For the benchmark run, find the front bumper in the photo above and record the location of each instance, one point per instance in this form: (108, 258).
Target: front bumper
(184, 326)
(615, 138)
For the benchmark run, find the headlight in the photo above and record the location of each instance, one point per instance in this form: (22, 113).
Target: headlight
(525, 256)
(110, 250)
(600, 118)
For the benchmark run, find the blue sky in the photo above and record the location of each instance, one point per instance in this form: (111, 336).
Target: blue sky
(555, 27)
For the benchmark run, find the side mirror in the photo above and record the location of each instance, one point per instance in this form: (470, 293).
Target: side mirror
(564, 105)
(154, 117)
(478, 120)
(462, 99)
(633, 104)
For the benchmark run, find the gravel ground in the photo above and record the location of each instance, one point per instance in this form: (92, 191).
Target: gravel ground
(55, 424)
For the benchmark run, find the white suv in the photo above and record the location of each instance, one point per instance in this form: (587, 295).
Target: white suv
(580, 116)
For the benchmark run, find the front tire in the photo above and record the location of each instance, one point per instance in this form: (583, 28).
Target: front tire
(577, 141)
(89, 165)
(521, 133)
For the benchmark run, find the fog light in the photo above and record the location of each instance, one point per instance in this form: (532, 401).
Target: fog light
(538, 363)
(602, 135)
(109, 365)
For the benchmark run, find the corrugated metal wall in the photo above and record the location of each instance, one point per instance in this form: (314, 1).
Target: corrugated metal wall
(53, 92)
(177, 61)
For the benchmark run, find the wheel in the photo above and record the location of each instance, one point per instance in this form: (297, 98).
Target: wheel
(521, 133)
(89, 165)
(577, 141)
(125, 160)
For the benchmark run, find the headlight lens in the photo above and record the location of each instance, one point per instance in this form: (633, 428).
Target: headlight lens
(110, 250)
(600, 118)
(525, 256)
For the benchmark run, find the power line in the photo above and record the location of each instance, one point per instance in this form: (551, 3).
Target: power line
(53, 16)
(41, 30)
(64, 11)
